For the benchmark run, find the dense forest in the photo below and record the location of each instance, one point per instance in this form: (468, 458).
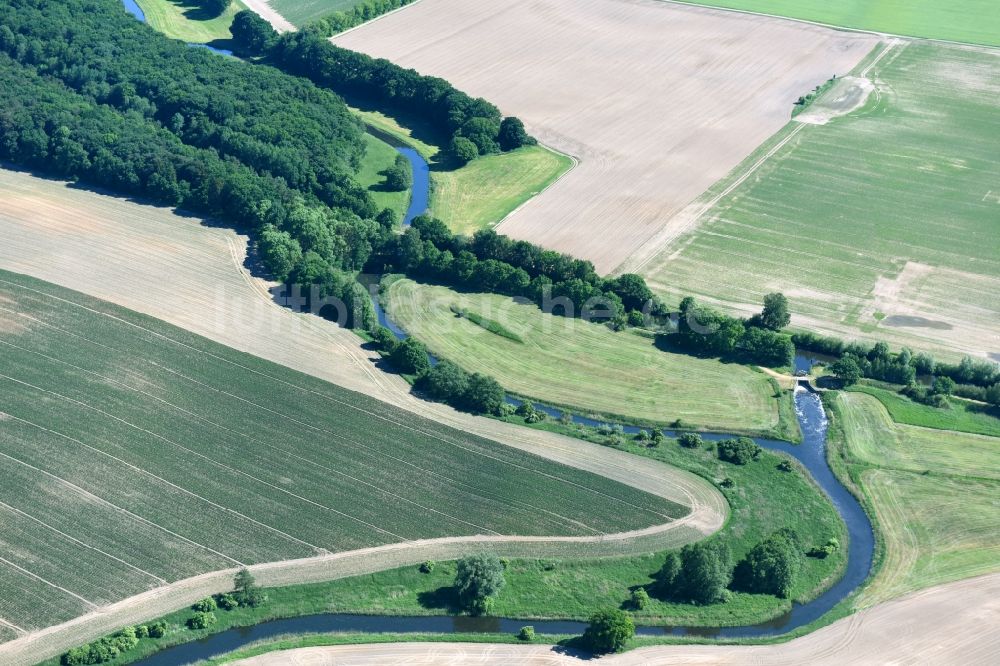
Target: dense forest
(468, 126)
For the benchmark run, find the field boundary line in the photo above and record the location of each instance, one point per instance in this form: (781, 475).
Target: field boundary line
(88, 602)
(654, 249)
(262, 443)
(81, 543)
(373, 415)
(833, 26)
(16, 628)
(101, 500)
(204, 457)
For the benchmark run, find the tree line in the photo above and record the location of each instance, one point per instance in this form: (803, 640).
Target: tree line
(471, 126)
(364, 11)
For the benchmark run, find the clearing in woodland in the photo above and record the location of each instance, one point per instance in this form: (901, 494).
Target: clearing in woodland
(611, 83)
(878, 224)
(134, 454)
(187, 21)
(583, 365)
(934, 494)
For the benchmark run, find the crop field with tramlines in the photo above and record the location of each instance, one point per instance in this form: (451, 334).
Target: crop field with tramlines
(879, 224)
(133, 453)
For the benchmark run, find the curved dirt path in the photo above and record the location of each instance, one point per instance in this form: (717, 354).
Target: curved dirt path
(950, 624)
(120, 251)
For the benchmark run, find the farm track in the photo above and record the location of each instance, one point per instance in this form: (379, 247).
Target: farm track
(120, 251)
(950, 624)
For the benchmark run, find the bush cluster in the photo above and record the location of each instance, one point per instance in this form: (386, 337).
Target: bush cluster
(739, 451)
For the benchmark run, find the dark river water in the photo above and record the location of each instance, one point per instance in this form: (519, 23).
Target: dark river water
(811, 453)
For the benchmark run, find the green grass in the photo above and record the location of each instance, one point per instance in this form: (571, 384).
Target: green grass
(763, 500)
(184, 20)
(934, 495)
(584, 365)
(482, 192)
(973, 21)
(300, 12)
(490, 325)
(379, 156)
(222, 458)
(488, 189)
(890, 209)
(961, 415)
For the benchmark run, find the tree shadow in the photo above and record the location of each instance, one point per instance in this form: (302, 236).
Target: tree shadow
(193, 11)
(444, 598)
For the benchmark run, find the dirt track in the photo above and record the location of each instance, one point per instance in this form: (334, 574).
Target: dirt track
(951, 624)
(191, 275)
(658, 101)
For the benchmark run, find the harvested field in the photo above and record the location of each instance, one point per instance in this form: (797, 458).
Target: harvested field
(233, 460)
(934, 493)
(610, 83)
(950, 624)
(584, 365)
(878, 224)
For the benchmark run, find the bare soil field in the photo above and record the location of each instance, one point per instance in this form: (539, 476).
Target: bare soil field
(951, 624)
(658, 101)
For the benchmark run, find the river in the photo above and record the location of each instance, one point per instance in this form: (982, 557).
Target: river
(811, 453)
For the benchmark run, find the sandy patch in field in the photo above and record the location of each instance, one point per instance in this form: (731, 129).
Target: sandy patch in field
(844, 96)
(658, 101)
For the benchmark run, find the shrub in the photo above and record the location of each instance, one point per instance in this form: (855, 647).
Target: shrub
(526, 634)
(206, 605)
(427, 567)
(228, 602)
(785, 466)
(640, 598)
(410, 357)
(463, 150)
(727, 483)
(739, 451)
(478, 577)
(771, 566)
(158, 629)
(384, 339)
(608, 631)
(831, 546)
(201, 621)
(690, 440)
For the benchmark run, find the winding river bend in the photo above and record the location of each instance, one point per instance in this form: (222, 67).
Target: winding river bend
(811, 453)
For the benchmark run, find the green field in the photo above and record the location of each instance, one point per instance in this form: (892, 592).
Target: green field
(763, 499)
(482, 192)
(961, 415)
(184, 20)
(583, 365)
(973, 21)
(379, 156)
(300, 12)
(486, 190)
(881, 223)
(133, 453)
(935, 495)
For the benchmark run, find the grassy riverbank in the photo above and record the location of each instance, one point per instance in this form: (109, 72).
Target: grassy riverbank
(763, 498)
(583, 365)
(380, 156)
(960, 415)
(932, 494)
